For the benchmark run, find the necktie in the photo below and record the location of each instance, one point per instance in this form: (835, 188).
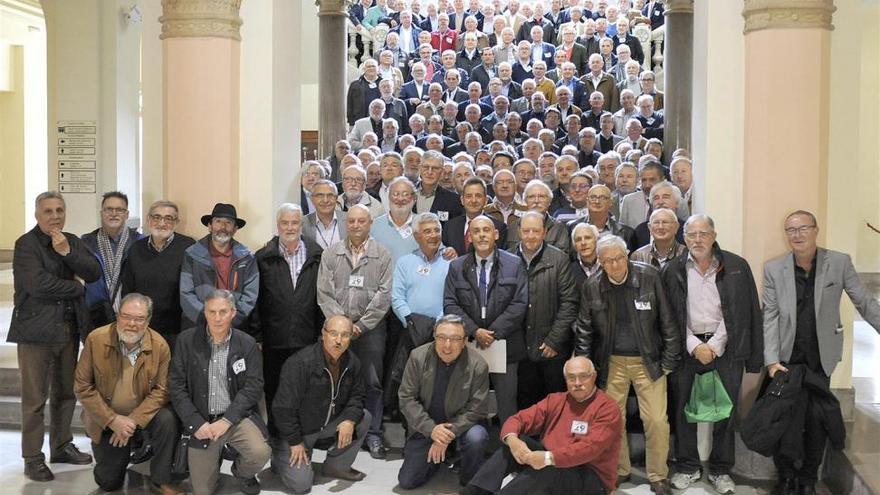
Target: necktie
(467, 238)
(484, 288)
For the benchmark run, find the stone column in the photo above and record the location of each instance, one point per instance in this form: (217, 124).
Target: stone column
(201, 48)
(332, 82)
(678, 70)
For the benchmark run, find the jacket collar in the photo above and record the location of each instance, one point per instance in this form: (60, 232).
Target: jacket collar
(113, 339)
(633, 279)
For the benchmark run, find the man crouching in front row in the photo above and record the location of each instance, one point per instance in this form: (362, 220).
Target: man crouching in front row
(579, 433)
(320, 404)
(121, 380)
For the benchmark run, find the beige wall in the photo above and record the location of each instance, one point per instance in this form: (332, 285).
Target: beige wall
(309, 78)
(12, 169)
(867, 15)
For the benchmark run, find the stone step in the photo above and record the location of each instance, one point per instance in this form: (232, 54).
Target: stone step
(10, 382)
(10, 414)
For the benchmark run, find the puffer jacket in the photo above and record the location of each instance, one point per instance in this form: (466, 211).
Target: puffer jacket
(656, 334)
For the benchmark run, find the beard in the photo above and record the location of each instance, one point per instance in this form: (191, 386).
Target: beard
(221, 238)
(129, 338)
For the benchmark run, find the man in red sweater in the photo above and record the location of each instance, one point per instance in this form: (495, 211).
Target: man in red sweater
(579, 442)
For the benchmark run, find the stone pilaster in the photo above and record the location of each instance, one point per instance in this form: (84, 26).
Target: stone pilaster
(678, 70)
(782, 14)
(332, 81)
(201, 19)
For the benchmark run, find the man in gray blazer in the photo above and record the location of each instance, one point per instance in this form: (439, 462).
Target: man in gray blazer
(802, 290)
(326, 225)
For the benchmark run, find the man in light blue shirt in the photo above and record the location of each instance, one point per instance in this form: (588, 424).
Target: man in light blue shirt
(394, 230)
(419, 276)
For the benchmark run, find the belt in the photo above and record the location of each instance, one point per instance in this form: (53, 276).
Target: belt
(214, 417)
(704, 336)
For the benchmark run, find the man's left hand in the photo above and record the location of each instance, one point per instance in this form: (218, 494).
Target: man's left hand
(219, 428)
(536, 460)
(345, 430)
(547, 351)
(449, 254)
(119, 439)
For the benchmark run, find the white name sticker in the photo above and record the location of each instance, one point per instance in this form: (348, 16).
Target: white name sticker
(579, 427)
(238, 366)
(406, 233)
(444, 215)
(424, 270)
(356, 281)
(643, 305)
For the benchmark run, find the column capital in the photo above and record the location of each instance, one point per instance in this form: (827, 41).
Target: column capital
(787, 14)
(200, 19)
(679, 7)
(333, 7)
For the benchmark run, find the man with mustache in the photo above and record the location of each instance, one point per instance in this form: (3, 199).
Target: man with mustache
(320, 401)
(153, 268)
(127, 362)
(218, 261)
(49, 314)
(579, 438)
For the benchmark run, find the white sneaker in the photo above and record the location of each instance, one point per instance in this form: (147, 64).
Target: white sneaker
(680, 481)
(723, 483)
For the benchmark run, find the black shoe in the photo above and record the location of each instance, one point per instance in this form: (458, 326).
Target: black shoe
(38, 471)
(805, 487)
(348, 474)
(376, 447)
(785, 486)
(472, 490)
(71, 455)
(250, 486)
(661, 487)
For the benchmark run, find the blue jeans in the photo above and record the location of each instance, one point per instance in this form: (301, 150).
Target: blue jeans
(416, 470)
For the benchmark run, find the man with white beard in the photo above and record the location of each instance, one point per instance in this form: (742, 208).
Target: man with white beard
(217, 261)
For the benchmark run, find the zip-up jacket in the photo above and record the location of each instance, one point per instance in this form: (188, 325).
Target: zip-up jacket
(198, 279)
(307, 397)
(654, 329)
(739, 305)
(189, 387)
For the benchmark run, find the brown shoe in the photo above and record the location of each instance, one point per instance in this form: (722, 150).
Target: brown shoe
(661, 487)
(348, 475)
(71, 455)
(38, 471)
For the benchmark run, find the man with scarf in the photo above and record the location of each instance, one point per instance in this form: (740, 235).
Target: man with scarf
(110, 244)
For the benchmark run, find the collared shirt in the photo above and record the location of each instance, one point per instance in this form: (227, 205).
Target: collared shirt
(383, 196)
(218, 389)
(357, 252)
(164, 246)
(595, 79)
(589, 270)
(649, 254)
(417, 281)
(329, 235)
(424, 202)
(295, 260)
(704, 314)
(537, 53)
(489, 262)
(406, 39)
(223, 265)
(131, 354)
(530, 259)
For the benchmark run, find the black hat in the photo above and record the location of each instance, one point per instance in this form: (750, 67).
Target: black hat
(223, 210)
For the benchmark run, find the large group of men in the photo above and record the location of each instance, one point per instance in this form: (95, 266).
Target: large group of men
(570, 247)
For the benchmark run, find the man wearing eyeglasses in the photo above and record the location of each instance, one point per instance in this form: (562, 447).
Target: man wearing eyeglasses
(715, 304)
(666, 195)
(664, 247)
(443, 397)
(122, 383)
(354, 185)
(802, 290)
(109, 243)
(626, 326)
(320, 405)
(153, 268)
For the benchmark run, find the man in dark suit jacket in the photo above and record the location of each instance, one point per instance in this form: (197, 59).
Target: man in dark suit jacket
(474, 199)
(623, 36)
(488, 289)
(474, 92)
(407, 23)
(415, 92)
(469, 56)
(578, 88)
(487, 69)
(579, 54)
(525, 30)
(429, 195)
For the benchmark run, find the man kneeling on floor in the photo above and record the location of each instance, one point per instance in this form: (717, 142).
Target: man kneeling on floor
(320, 404)
(579, 433)
(121, 381)
(443, 397)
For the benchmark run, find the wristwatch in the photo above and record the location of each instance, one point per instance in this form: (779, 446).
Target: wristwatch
(548, 458)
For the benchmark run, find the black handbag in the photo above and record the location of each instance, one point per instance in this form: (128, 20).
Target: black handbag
(180, 464)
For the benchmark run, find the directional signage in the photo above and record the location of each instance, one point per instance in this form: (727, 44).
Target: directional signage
(77, 150)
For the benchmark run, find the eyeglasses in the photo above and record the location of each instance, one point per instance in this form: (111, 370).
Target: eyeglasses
(661, 223)
(598, 198)
(336, 334)
(579, 187)
(159, 218)
(454, 339)
(320, 196)
(617, 259)
(802, 230)
(110, 210)
(401, 194)
(140, 320)
(698, 235)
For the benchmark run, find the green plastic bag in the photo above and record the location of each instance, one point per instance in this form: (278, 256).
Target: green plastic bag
(709, 402)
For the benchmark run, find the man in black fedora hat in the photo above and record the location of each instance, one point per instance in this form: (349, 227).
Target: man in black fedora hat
(218, 261)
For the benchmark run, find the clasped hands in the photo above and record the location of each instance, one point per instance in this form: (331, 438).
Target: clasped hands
(442, 436)
(213, 431)
(299, 455)
(123, 428)
(524, 455)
